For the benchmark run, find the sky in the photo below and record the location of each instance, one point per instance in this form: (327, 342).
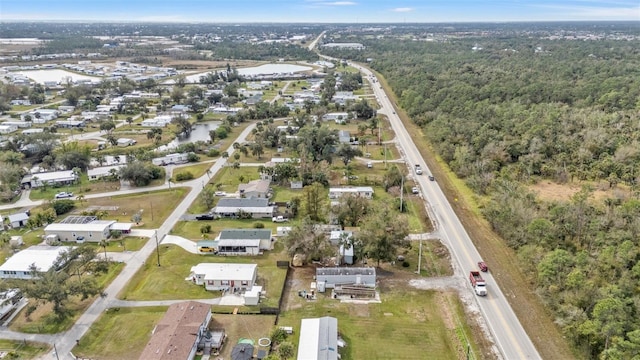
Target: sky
(319, 11)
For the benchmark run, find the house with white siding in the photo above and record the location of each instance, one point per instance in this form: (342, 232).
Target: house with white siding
(43, 257)
(362, 191)
(49, 178)
(224, 276)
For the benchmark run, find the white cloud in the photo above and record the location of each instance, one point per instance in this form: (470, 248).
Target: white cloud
(339, 3)
(331, 3)
(402, 9)
(566, 12)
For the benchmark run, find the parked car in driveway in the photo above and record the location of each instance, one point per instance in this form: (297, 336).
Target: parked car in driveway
(63, 195)
(205, 217)
(220, 193)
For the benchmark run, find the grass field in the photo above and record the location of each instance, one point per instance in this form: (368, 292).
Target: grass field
(410, 324)
(155, 205)
(236, 327)
(30, 238)
(196, 170)
(168, 281)
(119, 333)
(84, 186)
(191, 229)
(128, 243)
(23, 349)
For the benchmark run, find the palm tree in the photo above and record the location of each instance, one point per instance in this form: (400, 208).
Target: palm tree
(80, 198)
(104, 243)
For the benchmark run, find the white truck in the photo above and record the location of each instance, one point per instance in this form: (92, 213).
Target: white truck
(279, 219)
(418, 169)
(478, 283)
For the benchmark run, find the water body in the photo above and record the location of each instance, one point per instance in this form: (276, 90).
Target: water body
(270, 69)
(200, 132)
(266, 69)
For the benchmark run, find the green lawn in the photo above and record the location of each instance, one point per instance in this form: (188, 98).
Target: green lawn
(30, 238)
(410, 324)
(155, 205)
(196, 170)
(82, 187)
(282, 193)
(119, 333)
(191, 229)
(23, 349)
(128, 243)
(228, 178)
(168, 281)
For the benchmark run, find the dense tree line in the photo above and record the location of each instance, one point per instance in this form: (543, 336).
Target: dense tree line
(230, 49)
(524, 109)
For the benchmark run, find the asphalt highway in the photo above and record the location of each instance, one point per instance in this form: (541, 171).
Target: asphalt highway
(508, 334)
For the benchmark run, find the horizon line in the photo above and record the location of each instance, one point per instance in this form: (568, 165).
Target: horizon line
(113, 21)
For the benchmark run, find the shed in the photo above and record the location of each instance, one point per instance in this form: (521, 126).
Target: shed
(252, 296)
(16, 241)
(18, 220)
(346, 254)
(283, 230)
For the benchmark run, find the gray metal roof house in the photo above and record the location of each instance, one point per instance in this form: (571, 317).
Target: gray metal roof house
(262, 235)
(231, 207)
(332, 276)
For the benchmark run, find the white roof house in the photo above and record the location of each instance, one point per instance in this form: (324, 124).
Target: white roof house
(219, 276)
(8, 129)
(43, 257)
(53, 177)
(318, 339)
(158, 121)
(364, 191)
(104, 171)
(177, 158)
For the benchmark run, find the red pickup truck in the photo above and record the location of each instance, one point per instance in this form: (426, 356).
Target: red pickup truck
(483, 267)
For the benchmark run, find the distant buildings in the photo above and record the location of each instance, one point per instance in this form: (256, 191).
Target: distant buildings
(349, 46)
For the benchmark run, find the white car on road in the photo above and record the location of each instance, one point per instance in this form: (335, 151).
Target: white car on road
(63, 195)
